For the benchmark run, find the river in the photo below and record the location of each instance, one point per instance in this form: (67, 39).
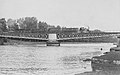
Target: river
(39, 59)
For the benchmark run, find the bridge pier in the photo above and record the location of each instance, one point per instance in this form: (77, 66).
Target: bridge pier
(52, 40)
(52, 43)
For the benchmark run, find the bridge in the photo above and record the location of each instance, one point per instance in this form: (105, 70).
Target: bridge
(55, 37)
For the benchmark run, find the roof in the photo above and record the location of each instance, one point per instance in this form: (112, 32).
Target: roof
(109, 56)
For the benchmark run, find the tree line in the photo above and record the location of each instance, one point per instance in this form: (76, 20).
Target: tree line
(29, 23)
(26, 23)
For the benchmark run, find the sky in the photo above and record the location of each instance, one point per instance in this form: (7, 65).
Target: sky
(95, 14)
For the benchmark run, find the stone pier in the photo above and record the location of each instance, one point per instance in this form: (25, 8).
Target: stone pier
(52, 40)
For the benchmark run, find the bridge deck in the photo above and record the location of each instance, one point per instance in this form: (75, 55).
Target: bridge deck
(37, 36)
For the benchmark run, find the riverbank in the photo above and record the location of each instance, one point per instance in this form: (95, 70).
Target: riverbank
(101, 73)
(19, 42)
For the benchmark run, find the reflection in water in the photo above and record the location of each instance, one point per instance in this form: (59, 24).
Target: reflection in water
(41, 60)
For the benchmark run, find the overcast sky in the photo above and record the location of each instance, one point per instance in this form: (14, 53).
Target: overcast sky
(97, 14)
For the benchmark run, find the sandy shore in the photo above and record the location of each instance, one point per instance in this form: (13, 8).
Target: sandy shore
(101, 73)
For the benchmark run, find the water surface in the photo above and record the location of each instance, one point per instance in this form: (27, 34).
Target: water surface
(45, 60)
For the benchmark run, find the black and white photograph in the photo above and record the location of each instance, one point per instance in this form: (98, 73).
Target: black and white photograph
(59, 37)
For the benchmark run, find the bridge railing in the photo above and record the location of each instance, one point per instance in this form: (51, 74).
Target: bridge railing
(59, 36)
(78, 35)
(32, 35)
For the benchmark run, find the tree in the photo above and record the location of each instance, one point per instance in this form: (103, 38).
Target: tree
(15, 27)
(3, 25)
(12, 25)
(30, 22)
(41, 25)
(27, 23)
(20, 23)
(58, 27)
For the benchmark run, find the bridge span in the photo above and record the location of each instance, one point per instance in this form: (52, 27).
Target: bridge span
(59, 37)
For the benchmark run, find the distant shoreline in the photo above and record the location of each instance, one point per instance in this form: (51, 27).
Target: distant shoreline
(18, 42)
